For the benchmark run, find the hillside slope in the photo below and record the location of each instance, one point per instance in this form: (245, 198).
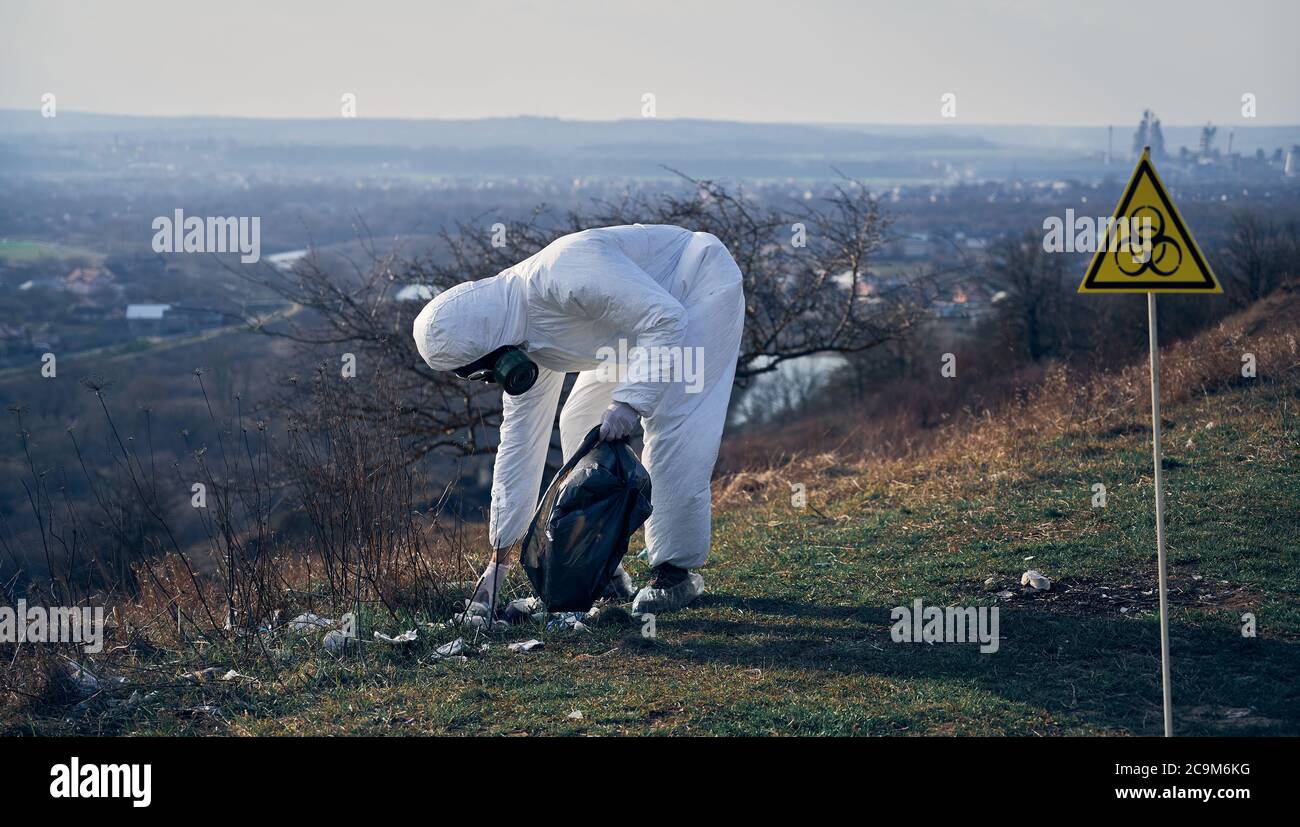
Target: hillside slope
(794, 634)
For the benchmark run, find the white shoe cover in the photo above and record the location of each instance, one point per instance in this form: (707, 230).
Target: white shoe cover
(657, 601)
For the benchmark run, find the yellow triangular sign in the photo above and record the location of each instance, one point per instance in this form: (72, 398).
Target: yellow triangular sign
(1146, 247)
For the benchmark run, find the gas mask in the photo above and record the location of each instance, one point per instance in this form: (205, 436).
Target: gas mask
(506, 366)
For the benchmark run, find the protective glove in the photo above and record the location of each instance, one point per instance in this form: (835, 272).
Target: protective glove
(618, 422)
(484, 600)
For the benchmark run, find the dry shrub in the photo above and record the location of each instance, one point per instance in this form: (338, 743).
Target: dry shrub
(329, 517)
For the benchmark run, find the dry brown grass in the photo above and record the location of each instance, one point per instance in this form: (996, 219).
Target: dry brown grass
(881, 455)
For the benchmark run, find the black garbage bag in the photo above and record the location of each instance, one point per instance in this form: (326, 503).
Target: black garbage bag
(580, 531)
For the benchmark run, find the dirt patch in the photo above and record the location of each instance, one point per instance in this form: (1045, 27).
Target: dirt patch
(1231, 718)
(1132, 594)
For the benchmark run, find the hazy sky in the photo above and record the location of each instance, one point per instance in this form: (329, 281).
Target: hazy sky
(1084, 62)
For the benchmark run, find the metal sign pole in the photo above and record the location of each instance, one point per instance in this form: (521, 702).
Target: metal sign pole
(1160, 514)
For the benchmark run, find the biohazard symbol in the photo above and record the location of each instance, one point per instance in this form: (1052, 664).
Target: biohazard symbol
(1146, 247)
(1150, 248)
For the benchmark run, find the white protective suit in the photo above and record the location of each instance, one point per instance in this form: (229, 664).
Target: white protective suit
(650, 286)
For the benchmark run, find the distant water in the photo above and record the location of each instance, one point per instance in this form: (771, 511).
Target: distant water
(807, 372)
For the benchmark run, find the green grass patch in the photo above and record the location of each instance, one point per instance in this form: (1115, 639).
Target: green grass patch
(28, 251)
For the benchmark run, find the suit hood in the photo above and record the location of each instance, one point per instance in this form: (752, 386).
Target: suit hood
(470, 321)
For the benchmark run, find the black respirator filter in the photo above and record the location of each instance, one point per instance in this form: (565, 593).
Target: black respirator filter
(507, 366)
(515, 372)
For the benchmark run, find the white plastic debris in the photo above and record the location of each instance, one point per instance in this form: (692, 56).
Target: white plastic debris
(567, 620)
(527, 646)
(336, 642)
(405, 637)
(474, 622)
(1035, 580)
(1006, 594)
(528, 605)
(232, 675)
(86, 683)
(475, 617)
(308, 621)
(450, 650)
(575, 715)
(211, 673)
(137, 699)
(517, 611)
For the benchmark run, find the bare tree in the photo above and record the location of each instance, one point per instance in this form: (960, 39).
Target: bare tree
(805, 278)
(1033, 280)
(1259, 255)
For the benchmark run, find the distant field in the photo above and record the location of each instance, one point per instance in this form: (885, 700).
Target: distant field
(33, 250)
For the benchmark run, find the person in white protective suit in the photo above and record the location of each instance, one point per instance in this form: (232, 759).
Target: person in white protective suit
(659, 294)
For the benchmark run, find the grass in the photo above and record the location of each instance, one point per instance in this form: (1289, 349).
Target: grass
(793, 636)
